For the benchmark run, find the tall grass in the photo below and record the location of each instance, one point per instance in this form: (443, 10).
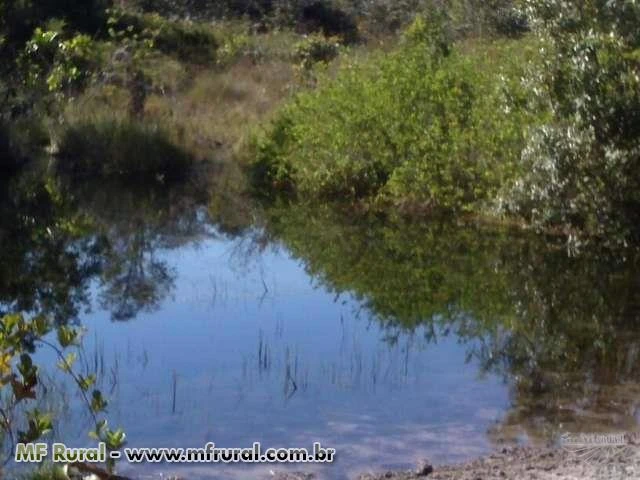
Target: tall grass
(208, 110)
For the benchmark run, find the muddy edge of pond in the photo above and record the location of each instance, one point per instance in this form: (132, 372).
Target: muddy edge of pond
(525, 463)
(516, 463)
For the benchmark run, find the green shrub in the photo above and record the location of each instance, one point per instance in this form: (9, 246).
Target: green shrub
(386, 16)
(423, 125)
(185, 40)
(188, 41)
(61, 63)
(483, 18)
(117, 148)
(207, 9)
(315, 49)
(582, 169)
(487, 17)
(510, 21)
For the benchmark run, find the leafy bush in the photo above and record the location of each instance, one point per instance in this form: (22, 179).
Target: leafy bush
(116, 148)
(419, 125)
(46, 46)
(583, 167)
(389, 16)
(315, 49)
(62, 63)
(510, 21)
(207, 9)
(342, 17)
(332, 18)
(188, 41)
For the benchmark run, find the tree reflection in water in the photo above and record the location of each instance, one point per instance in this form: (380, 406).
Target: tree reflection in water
(563, 331)
(59, 236)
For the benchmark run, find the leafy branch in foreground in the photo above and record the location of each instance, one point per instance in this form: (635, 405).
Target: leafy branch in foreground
(19, 379)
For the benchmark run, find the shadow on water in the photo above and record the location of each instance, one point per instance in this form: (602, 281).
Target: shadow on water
(60, 235)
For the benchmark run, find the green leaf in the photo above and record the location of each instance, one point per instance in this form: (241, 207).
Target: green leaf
(28, 371)
(39, 424)
(98, 403)
(67, 336)
(87, 382)
(115, 439)
(66, 364)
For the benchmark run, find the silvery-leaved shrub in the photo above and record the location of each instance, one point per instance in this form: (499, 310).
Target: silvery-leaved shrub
(581, 168)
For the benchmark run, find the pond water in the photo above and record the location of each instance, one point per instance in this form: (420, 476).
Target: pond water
(389, 340)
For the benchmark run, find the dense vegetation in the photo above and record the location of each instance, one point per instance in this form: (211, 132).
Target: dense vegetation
(418, 125)
(56, 53)
(543, 128)
(581, 168)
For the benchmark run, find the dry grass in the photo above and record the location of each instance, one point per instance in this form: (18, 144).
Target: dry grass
(208, 110)
(215, 115)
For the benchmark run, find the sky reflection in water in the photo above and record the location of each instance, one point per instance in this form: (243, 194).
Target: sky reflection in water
(380, 403)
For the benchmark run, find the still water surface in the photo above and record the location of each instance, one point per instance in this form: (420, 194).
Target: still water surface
(378, 403)
(391, 341)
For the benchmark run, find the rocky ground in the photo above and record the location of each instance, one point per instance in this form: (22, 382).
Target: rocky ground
(520, 464)
(529, 463)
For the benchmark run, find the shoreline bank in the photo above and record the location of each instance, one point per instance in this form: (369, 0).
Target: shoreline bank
(521, 463)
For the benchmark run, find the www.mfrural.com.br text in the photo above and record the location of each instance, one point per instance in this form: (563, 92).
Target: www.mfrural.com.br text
(60, 453)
